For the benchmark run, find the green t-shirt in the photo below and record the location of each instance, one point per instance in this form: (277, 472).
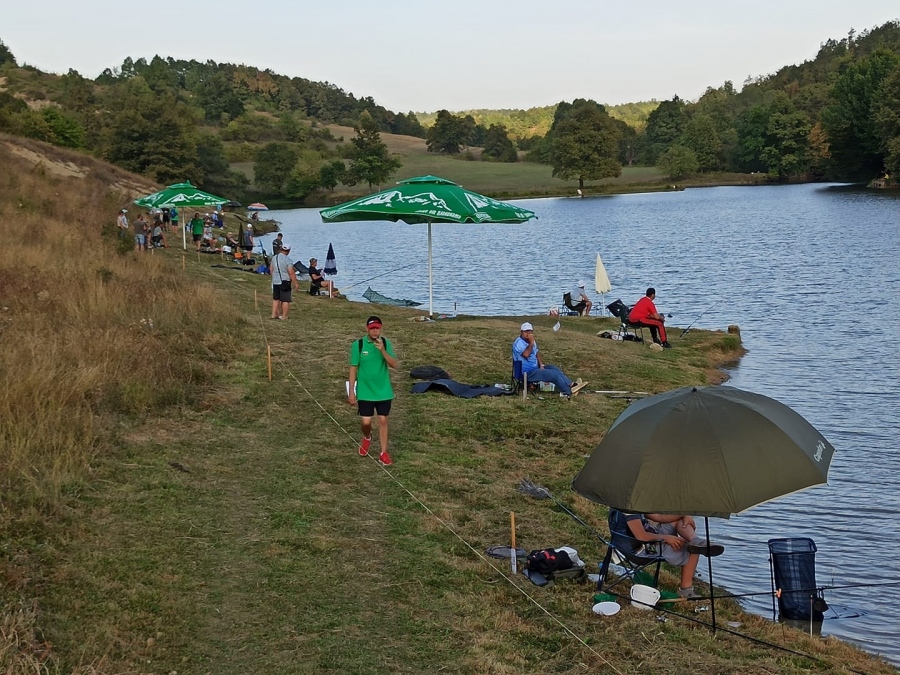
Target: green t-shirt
(196, 225)
(373, 380)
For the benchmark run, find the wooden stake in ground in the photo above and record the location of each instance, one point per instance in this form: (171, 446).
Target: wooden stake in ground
(182, 261)
(524, 387)
(255, 300)
(269, 358)
(512, 555)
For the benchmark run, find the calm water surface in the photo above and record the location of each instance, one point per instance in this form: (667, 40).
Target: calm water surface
(810, 273)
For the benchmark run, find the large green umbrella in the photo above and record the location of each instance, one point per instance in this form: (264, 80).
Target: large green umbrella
(180, 195)
(427, 199)
(707, 451)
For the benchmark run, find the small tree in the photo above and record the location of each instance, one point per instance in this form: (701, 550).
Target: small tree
(584, 143)
(678, 161)
(497, 146)
(274, 163)
(6, 56)
(331, 174)
(448, 133)
(370, 160)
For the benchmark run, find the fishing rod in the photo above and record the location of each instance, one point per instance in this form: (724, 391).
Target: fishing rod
(364, 281)
(684, 332)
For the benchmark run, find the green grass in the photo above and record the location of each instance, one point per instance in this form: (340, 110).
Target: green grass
(232, 527)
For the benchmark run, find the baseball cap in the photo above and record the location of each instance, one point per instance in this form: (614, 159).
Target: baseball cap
(373, 322)
(285, 247)
(527, 326)
(580, 283)
(124, 210)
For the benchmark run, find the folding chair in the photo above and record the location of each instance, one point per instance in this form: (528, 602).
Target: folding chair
(630, 554)
(621, 311)
(518, 377)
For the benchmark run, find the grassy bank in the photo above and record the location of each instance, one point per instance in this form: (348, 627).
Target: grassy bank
(168, 508)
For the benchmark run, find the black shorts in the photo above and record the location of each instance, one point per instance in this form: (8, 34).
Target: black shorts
(282, 291)
(197, 237)
(370, 408)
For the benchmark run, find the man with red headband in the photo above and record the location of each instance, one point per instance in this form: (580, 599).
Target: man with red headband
(370, 384)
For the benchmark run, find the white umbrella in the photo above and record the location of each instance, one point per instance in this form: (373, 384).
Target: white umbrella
(601, 282)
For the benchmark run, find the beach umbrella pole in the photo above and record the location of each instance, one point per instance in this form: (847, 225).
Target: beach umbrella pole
(183, 235)
(712, 592)
(430, 275)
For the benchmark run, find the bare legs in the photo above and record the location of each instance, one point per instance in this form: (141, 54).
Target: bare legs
(366, 425)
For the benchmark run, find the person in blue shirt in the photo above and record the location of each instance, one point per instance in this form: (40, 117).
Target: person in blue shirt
(525, 349)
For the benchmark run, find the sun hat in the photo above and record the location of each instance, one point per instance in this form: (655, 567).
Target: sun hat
(580, 284)
(373, 322)
(249, 226)
(526, 326)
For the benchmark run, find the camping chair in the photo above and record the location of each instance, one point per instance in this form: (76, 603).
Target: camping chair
(620, 550)
(518, 377)
(575, 308)
(621, 311)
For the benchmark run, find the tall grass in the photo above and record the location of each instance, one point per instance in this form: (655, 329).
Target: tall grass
(89, 330)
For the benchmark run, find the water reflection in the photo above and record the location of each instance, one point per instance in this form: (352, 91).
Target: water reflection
(811, 275)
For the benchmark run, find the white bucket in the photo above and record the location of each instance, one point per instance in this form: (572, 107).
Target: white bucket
(645, 596)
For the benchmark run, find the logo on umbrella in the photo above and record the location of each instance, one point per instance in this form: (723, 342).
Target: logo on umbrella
(820, 448)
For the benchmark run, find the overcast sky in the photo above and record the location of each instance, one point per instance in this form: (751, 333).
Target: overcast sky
(459, 55)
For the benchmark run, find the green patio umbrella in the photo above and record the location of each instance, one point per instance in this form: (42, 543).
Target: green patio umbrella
(427, 199)
(180, 195)
(704, 451)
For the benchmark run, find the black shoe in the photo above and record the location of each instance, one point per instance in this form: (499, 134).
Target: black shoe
(666, 345)
(700, 546)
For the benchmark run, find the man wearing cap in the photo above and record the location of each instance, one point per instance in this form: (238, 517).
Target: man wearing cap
(247, 241)
(283, 280)
(370, 384)
(581, 303)
(525, 349)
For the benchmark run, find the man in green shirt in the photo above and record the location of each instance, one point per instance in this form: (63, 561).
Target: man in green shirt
(370, 384)
(197, 230)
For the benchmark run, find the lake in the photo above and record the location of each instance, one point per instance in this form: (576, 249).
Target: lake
(810, 273)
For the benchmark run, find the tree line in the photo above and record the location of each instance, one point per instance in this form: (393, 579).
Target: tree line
(175, 120)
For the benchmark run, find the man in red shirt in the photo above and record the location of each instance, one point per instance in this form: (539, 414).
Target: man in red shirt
(644, 313)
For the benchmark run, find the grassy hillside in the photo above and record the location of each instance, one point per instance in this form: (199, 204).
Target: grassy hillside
(169, 508)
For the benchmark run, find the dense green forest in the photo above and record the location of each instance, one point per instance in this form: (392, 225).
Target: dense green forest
(836, 116)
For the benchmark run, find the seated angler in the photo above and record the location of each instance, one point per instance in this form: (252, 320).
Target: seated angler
(525, 349)
(644, 314)
(677, 539)
(317, 281)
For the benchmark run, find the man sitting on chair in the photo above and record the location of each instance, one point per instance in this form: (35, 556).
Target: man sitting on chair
(317, 281)
(581, 303)
(644, 314)
(525, 349)
(678, 542)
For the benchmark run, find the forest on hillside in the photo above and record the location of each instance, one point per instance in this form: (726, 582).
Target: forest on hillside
(836, 116)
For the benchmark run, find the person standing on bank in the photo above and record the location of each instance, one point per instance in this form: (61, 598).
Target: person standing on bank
(370, 385)
(283, 280)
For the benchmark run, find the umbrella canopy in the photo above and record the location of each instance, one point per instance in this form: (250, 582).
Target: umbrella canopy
(330, 262)
(257, 207)
(180, 195)
(707, 451)
(427, 199)
(601, 279)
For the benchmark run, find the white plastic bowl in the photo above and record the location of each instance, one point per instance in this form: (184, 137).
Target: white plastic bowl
(646, 597)
(606, 608)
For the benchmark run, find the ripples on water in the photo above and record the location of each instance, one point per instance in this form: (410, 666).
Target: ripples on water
(810, 273)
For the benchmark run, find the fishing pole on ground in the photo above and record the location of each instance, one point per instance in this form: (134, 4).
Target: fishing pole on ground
(527, 487)
(691, 325)
(364, 281)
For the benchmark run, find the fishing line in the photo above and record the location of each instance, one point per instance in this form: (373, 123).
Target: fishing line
(691, 325)
(364, 281)
(443, 523)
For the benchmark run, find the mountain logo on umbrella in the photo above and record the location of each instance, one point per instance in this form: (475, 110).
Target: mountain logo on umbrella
(396, 198)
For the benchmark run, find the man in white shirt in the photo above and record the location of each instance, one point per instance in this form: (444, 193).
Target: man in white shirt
(284, 279)
(581, 303)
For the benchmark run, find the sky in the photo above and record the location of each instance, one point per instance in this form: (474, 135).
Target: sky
(466, 54)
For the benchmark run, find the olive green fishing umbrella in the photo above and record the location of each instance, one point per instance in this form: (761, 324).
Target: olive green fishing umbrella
(704, 451)
(180, 195)
(427, 199)
(707, 451)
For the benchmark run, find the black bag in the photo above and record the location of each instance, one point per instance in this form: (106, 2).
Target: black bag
(429, 373)
(548, 560)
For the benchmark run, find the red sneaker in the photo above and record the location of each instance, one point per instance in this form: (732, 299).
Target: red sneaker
(385, 458)
(364, 446)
